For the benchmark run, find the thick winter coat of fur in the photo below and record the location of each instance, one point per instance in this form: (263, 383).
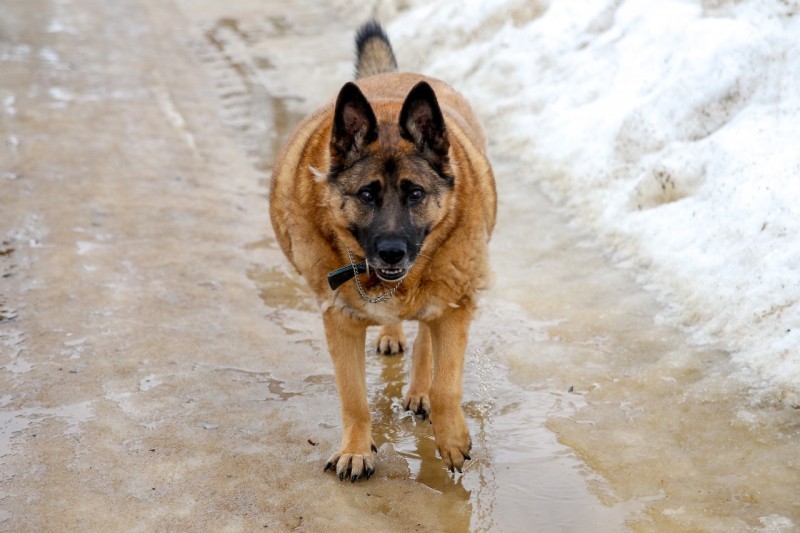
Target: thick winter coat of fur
(393, 171)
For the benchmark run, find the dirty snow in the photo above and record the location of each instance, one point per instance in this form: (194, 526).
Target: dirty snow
(669, 129)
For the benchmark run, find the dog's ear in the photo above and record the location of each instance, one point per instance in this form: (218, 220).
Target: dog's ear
(354, 124)
(422, 123)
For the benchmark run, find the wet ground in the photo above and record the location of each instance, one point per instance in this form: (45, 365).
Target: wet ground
(162, 368)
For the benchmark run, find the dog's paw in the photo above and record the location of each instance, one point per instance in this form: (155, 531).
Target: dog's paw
(418, 403)
(388, 344)
(352, 466)
(455, 453)
(452, 439)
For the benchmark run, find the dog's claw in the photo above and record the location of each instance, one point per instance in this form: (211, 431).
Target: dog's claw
(352, 467)
(388, 351)
(390, 342)
(467, 457)
(374, 448)
(417, 404)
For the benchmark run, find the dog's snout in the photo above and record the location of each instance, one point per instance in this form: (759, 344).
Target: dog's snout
(392, 251)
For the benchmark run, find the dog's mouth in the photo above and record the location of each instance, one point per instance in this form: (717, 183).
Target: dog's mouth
(391, 274)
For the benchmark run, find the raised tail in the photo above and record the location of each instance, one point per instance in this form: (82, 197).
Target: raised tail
(374, 53)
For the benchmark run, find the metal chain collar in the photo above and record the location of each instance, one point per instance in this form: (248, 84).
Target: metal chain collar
(385, 297)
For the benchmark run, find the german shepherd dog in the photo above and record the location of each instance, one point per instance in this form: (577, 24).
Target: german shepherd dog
(390, 185)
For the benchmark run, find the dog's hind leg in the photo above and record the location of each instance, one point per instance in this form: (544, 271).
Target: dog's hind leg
(391, 340)
(346, 342)
(417, 398)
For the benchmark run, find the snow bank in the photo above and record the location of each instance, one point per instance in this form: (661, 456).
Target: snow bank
(671, 129)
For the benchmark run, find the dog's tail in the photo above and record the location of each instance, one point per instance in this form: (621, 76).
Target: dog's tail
(374, 53)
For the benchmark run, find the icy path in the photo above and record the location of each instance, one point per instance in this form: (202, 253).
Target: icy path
(162, 369)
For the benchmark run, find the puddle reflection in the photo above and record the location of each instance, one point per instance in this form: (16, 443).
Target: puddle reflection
(411, 437)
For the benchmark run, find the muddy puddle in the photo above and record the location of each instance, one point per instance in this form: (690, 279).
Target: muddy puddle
(163, 368)
(513, 447)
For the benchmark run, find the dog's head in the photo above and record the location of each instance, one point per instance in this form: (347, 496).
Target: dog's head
(390, 180)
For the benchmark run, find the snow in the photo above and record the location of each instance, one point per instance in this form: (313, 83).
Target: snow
(669, 129)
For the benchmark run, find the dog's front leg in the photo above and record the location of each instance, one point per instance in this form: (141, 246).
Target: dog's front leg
(346, 343)
(449, 341)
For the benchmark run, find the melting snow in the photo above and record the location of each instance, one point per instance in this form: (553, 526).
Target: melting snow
(669, 129)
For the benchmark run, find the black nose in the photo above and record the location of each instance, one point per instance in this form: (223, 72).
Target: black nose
(392, 251)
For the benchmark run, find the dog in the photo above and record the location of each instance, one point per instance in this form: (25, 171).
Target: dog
(384, 200)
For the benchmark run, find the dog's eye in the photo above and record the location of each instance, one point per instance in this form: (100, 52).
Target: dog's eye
(416, 194)
(366, 196)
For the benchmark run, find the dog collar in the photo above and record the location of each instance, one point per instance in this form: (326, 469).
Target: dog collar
(341, 275)
(337, 277)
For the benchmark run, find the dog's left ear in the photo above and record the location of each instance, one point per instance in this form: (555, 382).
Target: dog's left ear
(354, 124)
(422, 123)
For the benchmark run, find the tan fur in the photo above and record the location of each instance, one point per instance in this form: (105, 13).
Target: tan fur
(439, 290)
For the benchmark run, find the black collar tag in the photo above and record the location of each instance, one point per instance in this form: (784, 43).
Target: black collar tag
(337, 277)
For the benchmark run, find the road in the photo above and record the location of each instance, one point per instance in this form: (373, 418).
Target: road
(162, 368)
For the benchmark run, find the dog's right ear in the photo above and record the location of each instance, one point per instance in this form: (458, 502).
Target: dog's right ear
(354, 125)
